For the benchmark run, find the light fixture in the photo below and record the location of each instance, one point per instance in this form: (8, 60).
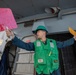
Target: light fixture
(52, 10)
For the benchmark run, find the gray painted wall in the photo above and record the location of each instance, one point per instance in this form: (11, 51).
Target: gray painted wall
(22, 31)
(53, 25)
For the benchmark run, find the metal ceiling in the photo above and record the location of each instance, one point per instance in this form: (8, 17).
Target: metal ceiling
(26, 8)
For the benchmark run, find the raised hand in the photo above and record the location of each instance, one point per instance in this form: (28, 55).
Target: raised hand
(10, 33)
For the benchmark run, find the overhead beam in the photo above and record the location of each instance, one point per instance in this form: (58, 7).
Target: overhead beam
(66, 12)
(45, 15)
(36, 17)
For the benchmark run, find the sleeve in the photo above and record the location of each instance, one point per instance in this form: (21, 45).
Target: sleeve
(65, 43)
(19, 43)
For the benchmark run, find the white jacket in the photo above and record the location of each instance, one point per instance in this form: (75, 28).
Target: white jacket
(3, 40)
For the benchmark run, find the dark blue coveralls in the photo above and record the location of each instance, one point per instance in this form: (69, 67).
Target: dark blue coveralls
(30, 47)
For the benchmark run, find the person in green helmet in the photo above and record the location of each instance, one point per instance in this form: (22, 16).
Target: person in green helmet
(46, 57)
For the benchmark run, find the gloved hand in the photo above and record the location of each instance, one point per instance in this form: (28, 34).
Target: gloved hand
(73, 32)
(10, 33)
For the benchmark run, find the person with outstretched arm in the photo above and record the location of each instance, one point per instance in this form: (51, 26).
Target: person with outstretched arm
(46, 57)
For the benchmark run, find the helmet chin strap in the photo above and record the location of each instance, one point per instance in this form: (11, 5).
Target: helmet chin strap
(43, 39)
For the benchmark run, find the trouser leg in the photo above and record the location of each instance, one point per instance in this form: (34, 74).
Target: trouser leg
(41, 74)
(57, 72)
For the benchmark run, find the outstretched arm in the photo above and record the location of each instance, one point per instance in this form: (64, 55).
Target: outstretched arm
(19, 43)
(66, 43)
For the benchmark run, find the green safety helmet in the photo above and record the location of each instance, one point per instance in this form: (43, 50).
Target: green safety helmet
(40, 27)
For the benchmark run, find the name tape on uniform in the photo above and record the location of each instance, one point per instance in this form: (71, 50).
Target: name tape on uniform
(51, 44)
(40, 60)
(38, 43)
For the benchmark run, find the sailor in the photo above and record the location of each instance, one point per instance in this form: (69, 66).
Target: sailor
(46, 57)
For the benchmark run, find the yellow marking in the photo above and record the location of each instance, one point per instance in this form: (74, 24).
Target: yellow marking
(50, 53)
(73, 32)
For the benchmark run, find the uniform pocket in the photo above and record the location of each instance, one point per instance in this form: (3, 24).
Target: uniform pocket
(40, 57)
(55, 63)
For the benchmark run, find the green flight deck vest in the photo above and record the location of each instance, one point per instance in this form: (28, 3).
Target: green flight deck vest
(46, 59)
